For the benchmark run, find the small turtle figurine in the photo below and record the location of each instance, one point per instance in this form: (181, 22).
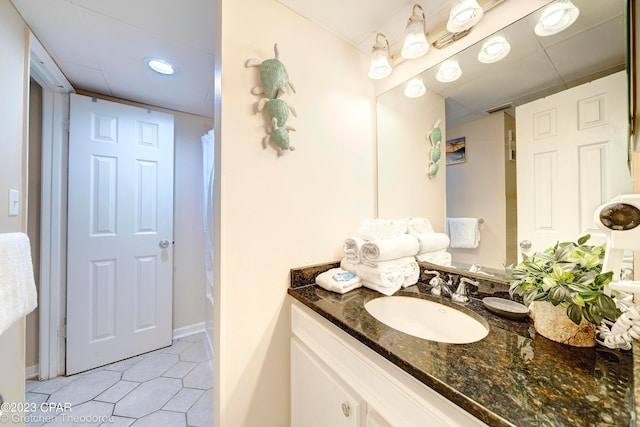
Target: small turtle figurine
(273, 76)
(277, 108)
(435, 136)
(279, 136)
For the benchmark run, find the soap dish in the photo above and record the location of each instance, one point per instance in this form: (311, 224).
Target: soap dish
(505, 307)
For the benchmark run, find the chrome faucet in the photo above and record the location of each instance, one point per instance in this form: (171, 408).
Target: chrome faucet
(460, 295)
(438, 284)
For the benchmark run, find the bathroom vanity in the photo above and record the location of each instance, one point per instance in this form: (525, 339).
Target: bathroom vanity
(349, 369)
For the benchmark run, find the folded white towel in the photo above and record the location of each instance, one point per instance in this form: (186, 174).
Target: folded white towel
(463, 232)
(391, 248)
(17, 287)
(375, 229)
(441, 257)
(386, 280)
(348, 265)
(430, 242)
(408, 266)
(419, 226)
(338, 280)
(351, 248)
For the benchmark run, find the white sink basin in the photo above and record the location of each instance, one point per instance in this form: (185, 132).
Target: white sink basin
(427, 319)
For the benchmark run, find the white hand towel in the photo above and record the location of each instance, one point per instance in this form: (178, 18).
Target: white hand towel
(430, 242)
(351, 248)
(338, 280)
(391, 248)
(17, 287)
(348, 265)
(408, 266)
(419, 226)
(441, 257)
(463, 232)
(375, 229)
(386, 280)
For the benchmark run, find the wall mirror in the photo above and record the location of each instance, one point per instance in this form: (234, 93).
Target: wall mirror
(594, 47)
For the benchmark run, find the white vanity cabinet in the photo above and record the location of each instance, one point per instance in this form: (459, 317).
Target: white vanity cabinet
(337, 381)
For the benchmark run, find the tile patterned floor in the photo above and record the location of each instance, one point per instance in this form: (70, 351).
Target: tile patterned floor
(169, 387)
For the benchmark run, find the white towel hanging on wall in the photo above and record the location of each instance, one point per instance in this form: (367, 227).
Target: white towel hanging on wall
(463, 232)
(17, 287)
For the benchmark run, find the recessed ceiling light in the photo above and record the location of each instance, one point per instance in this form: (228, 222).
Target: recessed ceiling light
(160, 66)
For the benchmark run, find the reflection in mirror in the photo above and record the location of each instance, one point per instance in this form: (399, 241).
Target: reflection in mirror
(522, 194)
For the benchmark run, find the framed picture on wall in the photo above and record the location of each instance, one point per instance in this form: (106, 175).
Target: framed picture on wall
(456, 151)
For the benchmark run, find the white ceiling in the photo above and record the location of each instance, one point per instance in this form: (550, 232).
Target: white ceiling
(100, 46)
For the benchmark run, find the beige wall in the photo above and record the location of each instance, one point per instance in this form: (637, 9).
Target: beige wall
(13, 87)
(279, 213)
(188, 228)
(404, 187)
(476, 188)
(33, 215)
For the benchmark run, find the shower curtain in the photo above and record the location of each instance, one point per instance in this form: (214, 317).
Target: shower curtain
(207, 167)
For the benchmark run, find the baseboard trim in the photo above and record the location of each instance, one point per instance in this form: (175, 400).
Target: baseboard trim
(184, 331)
(31, 372)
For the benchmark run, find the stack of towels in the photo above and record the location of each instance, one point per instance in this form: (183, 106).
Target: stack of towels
(383, 253)
(433, 246)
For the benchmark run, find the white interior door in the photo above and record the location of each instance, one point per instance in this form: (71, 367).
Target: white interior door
(571, 159)
(120, 232)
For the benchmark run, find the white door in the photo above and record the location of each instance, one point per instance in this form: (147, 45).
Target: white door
(120, 232)
(571, 159)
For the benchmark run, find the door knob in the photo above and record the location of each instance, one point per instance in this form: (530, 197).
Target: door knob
(164, 244)
(525, 244)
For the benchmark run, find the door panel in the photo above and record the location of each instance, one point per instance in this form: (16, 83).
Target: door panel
(119, 275)
(571, 159)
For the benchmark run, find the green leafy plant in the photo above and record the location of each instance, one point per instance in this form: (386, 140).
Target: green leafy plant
(569, 274)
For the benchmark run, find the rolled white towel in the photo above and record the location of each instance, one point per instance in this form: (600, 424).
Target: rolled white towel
(419, 226)
(375, 229)
(408, 265)
(338, 280)
(351, 248)
(430, 242)
(411, 271)
(348, 265)
(387, 249)
(441, 257)
(386, 280)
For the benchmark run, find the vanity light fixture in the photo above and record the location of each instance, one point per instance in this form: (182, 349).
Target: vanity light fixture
(160, 66)
(415, 88)
(494, 49)
(415, 42)
(380, 66)
(449, 71)
(556, 17)
(464, 15)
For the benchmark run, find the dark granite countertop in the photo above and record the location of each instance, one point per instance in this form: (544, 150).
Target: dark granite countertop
(513, 377)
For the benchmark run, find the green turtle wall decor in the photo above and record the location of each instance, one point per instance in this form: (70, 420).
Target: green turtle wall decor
(435, 152)
(274, 80)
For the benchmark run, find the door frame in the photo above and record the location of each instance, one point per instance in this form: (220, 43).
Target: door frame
(53, 215)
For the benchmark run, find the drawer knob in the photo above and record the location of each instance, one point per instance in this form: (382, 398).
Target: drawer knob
(346, 410)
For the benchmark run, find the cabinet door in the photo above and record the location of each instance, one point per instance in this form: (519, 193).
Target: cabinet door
(318, 397)
(375, 420)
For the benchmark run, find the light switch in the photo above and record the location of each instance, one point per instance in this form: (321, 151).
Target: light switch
(14, 202)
